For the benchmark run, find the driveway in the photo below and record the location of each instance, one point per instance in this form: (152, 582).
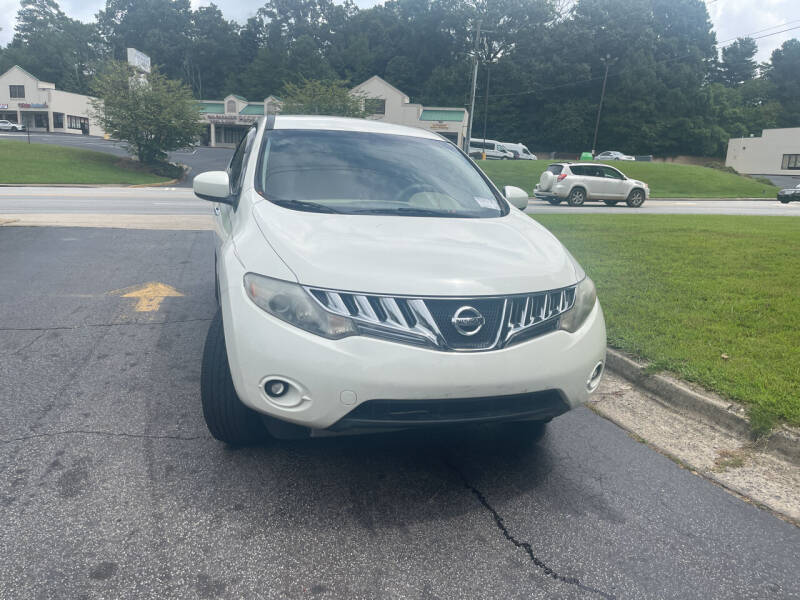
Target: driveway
(111, 487)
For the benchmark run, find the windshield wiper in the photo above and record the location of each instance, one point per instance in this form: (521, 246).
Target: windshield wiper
(305, 205)
(407, 212)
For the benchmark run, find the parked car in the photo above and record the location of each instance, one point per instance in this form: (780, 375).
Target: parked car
(359, 292)
(9, 126)
(578, 182)
(613, 155)
(494, 150)
(789, 194)
(520, 151)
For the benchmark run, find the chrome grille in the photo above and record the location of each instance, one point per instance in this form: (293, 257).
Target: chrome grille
(428, 321)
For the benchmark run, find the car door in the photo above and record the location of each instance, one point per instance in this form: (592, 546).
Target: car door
(614, 184)
(591, 179)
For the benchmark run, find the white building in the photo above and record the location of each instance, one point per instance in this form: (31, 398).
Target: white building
(384, 102)
(41, 107)
(227, 120)
(775, 152)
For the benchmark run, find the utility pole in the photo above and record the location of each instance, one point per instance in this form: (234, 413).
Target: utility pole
(474, 84)
(486, 110)
(605, 60)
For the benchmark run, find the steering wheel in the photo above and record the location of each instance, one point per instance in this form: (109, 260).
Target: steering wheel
(415, 188)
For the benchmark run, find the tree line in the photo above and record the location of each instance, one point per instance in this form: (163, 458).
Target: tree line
(672, 87)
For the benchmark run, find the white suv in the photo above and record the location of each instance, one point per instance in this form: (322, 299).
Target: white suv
(371, 277)
(578, 182)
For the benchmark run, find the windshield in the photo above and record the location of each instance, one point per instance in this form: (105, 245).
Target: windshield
(367, 173)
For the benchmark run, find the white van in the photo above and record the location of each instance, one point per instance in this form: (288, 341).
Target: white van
(520, 151)
(494, 150)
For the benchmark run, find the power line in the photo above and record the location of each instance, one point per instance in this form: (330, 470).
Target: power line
(618, 73)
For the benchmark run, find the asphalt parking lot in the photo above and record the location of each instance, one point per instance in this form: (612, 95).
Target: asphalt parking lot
(111, 486)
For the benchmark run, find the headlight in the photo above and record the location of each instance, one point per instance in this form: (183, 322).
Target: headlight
(585, 297)
(291, 303)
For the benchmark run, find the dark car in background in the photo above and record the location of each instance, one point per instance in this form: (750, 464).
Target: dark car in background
(787, 195)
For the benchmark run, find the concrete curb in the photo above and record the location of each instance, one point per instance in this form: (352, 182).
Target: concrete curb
(715, 411)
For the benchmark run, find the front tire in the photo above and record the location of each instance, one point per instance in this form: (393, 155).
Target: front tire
(635, 198)
(226, 417)
(577, 197)
(784, 201)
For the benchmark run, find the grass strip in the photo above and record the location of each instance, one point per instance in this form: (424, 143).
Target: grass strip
(23, 163)
(713, 299)
(666, 180)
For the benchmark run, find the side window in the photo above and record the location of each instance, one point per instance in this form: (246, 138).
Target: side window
(610, 173)
(576, 170)
(238, 162)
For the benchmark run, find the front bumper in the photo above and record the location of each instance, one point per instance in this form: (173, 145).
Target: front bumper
(331, 378)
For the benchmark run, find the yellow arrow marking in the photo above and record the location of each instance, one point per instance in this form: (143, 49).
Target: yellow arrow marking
(149, 295)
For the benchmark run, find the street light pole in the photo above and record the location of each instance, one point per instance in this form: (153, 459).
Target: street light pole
(600, 108)
(486, 108)
(474, 84)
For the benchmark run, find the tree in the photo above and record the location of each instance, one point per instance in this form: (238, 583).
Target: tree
(151, 113)
(159, 28)
(738, 62)
(53, 46)
(312, 97)
(784, 74)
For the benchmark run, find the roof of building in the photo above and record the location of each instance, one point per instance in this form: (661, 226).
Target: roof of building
(382, 80)
(212, 107)
(442, 114)
(29, 74)
(242, 98)
(252, 109)
(347, 124)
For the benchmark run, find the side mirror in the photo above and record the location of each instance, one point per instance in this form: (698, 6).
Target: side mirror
(213, 186)
(516, 196)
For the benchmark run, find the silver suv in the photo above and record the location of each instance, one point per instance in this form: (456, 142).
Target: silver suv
(578, 182)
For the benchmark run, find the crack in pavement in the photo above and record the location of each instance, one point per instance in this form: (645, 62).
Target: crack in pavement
(85, 325)
(526, 546)
(102, 433)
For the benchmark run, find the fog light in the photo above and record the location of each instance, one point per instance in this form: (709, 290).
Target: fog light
(594, 378)
(276, 388)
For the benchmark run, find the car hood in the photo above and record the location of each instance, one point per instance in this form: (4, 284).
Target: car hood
(422, 256)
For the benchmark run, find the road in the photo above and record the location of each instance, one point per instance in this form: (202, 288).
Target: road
(111, 487)
(181, 201)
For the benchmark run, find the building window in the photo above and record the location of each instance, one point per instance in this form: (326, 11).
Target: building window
(74, 122)
(58, 120)
(40, 120)
(231, 107)
(16, 91)
(791, 162)
(375, 106)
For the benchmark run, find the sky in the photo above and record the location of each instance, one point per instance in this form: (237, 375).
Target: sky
(731, 18)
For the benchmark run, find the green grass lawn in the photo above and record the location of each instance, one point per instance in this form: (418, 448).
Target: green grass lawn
(21, 162)
(682, 291)
(666, 180)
